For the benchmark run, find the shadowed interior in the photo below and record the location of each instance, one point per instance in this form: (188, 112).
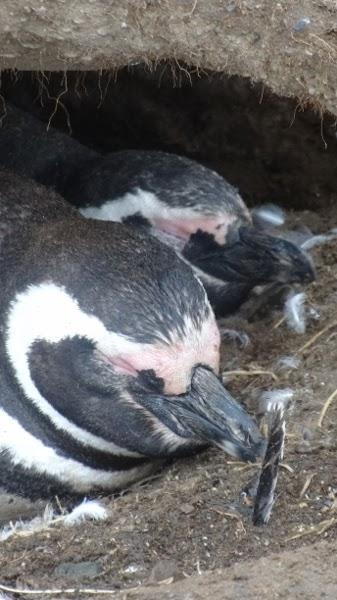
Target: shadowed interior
(273, 149)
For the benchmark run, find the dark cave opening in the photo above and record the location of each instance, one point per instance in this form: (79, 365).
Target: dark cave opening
(271, 148)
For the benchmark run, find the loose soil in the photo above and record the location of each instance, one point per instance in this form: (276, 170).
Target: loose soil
(288, 46)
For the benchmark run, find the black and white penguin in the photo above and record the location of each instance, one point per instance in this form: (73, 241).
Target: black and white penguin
(109, 353)
(182, 203)
(194, 210)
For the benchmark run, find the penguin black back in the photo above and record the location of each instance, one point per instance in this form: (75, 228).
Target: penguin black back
(23, 203)
(29, 148)
(105, 254)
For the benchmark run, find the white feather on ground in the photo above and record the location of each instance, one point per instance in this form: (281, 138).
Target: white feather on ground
(294, 312)
(87, 510)
(27, 527)
(273, 400)
(273, 404)
(288, 362)
(237, 336)
(319, 240)
(270, 214)
(265, 493)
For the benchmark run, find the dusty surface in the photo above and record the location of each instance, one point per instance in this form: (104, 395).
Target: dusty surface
(252, 579)
(191, 519)
(289, 46)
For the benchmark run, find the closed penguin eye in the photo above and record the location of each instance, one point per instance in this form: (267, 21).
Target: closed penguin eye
(233, 235)
(150, 382)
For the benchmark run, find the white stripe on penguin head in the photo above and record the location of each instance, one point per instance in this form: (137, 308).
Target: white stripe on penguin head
(47, 312)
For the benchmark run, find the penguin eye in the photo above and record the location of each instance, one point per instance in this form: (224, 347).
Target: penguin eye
(233, 235)
(149, 381)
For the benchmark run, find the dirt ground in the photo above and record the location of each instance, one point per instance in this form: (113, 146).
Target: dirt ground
(187, 534)
(288, 46)
(192, 519)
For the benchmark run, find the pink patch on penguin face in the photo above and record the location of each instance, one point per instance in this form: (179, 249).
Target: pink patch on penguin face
(174, 362)
(184, 227)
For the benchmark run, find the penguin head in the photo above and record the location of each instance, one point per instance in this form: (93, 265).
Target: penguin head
(207, 412)
(111, 336)
(250, 257)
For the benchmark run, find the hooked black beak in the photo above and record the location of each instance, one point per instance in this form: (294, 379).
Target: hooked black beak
(250, 256)
(210, 412)
(207, 413)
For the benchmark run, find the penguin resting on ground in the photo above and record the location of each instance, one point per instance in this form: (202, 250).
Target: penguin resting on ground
(109, 353)
(198, 213)
(183, 204)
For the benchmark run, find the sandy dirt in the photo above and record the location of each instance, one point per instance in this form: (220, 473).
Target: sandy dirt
(288, 46)
(191, 519)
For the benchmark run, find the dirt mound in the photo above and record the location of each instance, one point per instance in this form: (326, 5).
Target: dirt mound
(288, 46)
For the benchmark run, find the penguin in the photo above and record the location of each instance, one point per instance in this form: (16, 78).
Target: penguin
(198, 213)
(32, 149)
(109, 353)
(182, 203)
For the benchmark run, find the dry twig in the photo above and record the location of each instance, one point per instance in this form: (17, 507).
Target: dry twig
(59, 591)
(325, 407)
(318, 529)
(315, 337)
(253, 373)
(279, 322)
(306, 484)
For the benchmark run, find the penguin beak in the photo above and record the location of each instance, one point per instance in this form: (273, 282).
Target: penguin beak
(208, 413)
(250, 257)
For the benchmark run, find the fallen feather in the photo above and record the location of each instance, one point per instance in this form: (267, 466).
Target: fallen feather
(273, 400)
(24, 528)
(319, 240)
(269, 214)
(276, 404)
(294, 312)
(87, 510)
(288, 362)
(237, 336)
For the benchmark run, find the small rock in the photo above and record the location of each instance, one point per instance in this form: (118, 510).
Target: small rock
(186, 508)
(132, 568)
(164, 569)
(302, 24)
(304, 447)
(78, 570)
(307, 434)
